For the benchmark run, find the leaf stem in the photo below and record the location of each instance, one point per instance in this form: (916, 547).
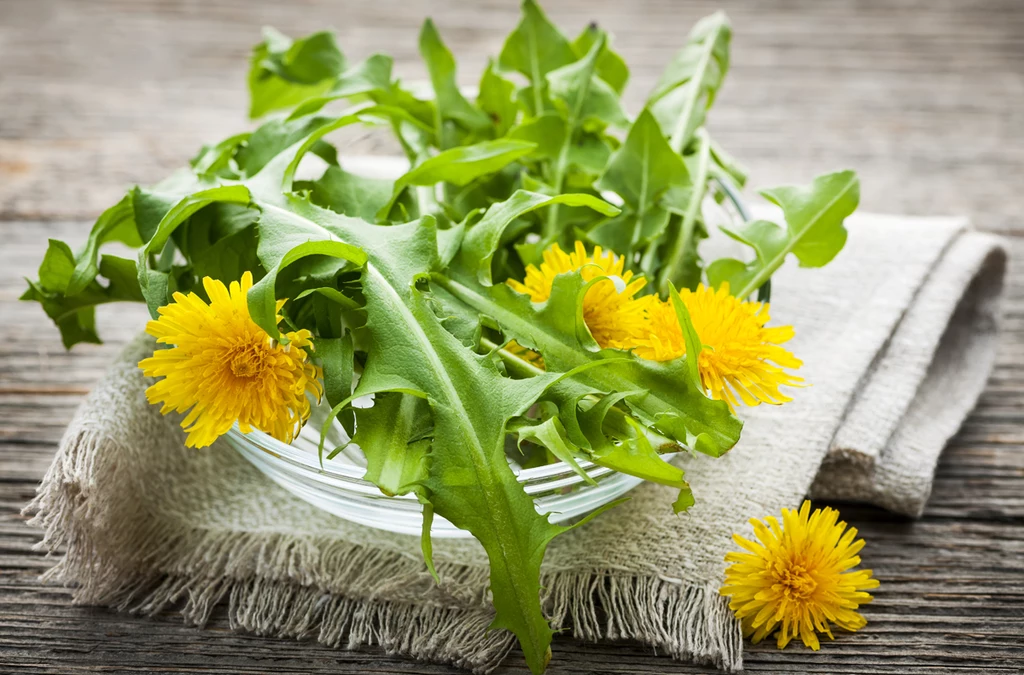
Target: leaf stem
(535, 76)
(410, 153)
(642, 200)
(426, 199)
(765, 273)
(670, 271)
(562, 163)
(616, 416)
(550, 343)
(524, 367)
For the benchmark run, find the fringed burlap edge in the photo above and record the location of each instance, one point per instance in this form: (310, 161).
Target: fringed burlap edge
(271, 587)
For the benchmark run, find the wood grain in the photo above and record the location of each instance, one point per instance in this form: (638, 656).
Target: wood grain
(924, 97)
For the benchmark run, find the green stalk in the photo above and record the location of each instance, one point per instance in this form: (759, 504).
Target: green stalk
(616, 418)
(654, 403)
(678, 141)
(642, 204)
(426, 198)
(670, 270)
(396, 128)
(535, 76)
(562, 163)
(521, 366)
(551, 229)
(764, 275)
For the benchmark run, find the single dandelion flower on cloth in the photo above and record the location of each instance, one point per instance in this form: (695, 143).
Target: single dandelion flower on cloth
(613, 313)
(796, 579)
(741, 359)
(224, 368)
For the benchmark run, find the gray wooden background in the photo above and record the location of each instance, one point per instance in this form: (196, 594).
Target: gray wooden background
(924, 98)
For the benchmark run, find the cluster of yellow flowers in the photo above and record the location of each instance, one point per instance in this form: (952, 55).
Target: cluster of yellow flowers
(741, 359)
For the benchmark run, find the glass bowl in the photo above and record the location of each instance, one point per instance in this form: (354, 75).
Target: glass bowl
(339, 488)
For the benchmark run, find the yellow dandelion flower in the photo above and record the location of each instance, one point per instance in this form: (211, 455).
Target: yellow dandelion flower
(613, 313)
(225, 368)
(741, 359)
(796, 578)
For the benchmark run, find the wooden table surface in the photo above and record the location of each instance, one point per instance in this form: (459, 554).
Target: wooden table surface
(925, 99)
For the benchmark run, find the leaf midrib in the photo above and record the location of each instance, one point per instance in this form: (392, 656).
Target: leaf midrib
(397, 435)
(480, 462)
(570, 127)
(770, 266)
(700, 73)
(531, 41)
(642, 205)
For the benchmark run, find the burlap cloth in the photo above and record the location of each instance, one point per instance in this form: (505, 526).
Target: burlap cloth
(897, 336)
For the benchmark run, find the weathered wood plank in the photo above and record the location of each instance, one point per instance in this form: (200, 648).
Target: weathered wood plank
(922, 96)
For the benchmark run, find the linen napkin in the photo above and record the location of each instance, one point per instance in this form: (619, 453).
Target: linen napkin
(897, 338)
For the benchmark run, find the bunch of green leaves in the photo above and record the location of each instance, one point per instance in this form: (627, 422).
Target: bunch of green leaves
(401, 280)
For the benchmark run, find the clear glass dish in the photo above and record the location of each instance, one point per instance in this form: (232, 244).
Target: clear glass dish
(339, 488)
